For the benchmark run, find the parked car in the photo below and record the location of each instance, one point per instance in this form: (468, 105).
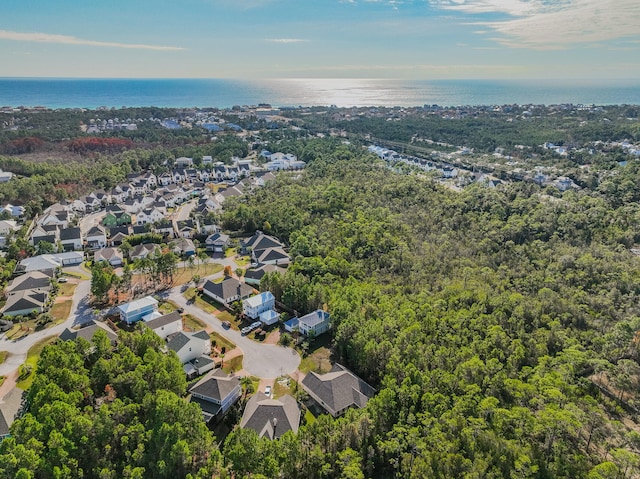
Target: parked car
(62, 280)
(267, 391)
(255, 325)
(246, 330)
(180, 310)
(226, 324)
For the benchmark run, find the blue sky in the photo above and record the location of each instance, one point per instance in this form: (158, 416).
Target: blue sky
(253, 39)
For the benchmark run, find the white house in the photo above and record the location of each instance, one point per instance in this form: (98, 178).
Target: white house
(96, 237)
(314, 323)
(113, 256)
(135, 310)
(216, 393)
(189, 346)
(258, 304)
(227, 291)
(183, 162)
(165, 325)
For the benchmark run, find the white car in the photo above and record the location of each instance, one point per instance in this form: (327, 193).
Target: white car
(267, 391)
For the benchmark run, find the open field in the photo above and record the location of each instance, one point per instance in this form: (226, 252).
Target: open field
(233, 365)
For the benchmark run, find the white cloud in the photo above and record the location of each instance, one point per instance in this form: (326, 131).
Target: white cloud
(286, 40)
(69, 40)
(546, 24)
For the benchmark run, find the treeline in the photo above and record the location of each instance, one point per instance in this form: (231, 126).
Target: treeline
(488, 320)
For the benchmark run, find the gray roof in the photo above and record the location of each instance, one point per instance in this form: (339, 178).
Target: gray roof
(271, 418)
(4, 427)
(96, 231)
(216, 386)
(31, 280)
(22, 300)
(164, 320)
(260, 241)
(227, 288)
(314, 318)
(338, 389)
(271, 254)
(178, 341)
(87, 332)
(259, 272)
(70, 234)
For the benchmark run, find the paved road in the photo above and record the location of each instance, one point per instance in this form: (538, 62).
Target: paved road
(261, 360)
(81, 313)
(184, 210)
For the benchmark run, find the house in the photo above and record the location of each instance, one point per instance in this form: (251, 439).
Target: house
(275, 256)
(149, 215)
(338, 390)
(165, 325)
(45, 262)
(141, 251)
(113, 256)
(5, 176)
(207, 160)
(135, 310)
(116, 218)
(23, 303)
(7, 226)
(292, 325)
(208, 225)
(227, 291)
(88, 331)
(216, 393)
(60, 219)
(71, 239)
(255, 305)
(118, 234)
(10, 407)
(269, 317)
(271, 418)
(184, 247)
(186, 228)
(314, 323)
(96, 237)
(183, 162)
(15, 211)
(34, 280)
(165, 179)
(258, 242)
(164, 227)
(217, 242)
(254, 275)
(189, 346)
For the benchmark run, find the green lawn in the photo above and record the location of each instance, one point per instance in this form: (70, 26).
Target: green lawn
(32, 360)
(309, 417)
(77, 275)
(193, 323)
(202, 302)
(184, 276)
(167, 307)
(3, 356)
(233, 365)
(243, 260)
(281, 388)
(222, 342)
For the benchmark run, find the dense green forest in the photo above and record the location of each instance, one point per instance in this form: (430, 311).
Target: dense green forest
(499, 326)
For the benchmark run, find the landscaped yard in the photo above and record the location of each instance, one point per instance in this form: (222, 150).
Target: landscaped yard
(32, 360)
(309, 417)
(60, 311)
(77, 275)
(3, 356)
(202, 302)
(243, 260)
(222, 342)
(233, 365)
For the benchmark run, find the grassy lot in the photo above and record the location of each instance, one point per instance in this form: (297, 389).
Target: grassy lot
(32, 360)
(243, 260)
(66, 289)
(60, 311)
(2, 378)
(283, 386)
(3, 356)
(77, 275)
(319, 361)
(222, 342)
(193, 323)
(227, 316)
(230, 252)
(184, 276)
(233, 365)
(167, 307)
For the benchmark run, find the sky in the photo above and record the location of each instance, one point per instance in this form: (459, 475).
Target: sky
(254, 39)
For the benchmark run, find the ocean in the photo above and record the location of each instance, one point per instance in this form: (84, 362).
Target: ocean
(224, 93)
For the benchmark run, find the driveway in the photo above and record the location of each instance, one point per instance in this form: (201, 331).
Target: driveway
(261, 360)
